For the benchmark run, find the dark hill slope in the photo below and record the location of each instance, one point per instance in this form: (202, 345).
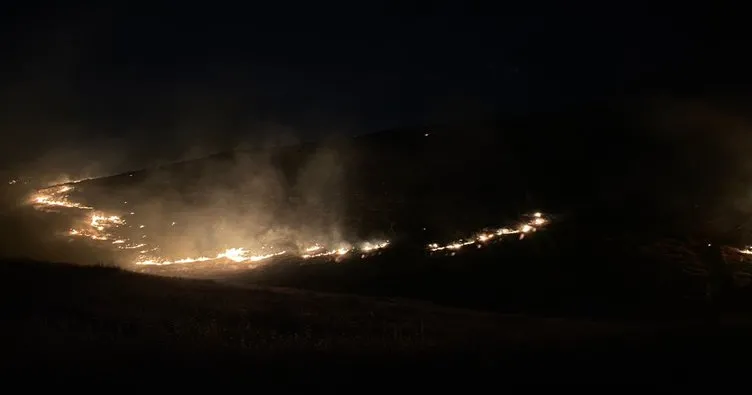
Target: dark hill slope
(635, 165)
(470, 174)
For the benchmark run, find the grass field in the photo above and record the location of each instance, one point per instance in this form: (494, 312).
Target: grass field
(74, 322)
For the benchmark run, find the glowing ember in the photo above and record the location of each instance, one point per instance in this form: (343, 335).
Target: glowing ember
(313, 248)
(484, 237)
(98, 226)
(233, 254)
(100, 221)
(132, 246)
(369, 247)
(84, 233)
(56, 197)
(338, 251)
(257, 258)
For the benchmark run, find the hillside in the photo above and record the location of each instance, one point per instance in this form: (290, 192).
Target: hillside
(615, 180)
(579, 160)
(619, 267)
(640, 155)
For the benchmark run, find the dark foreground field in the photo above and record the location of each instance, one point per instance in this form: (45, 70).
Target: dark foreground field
(100, 323)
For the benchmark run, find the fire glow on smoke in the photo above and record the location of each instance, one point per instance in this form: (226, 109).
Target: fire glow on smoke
(106, 228)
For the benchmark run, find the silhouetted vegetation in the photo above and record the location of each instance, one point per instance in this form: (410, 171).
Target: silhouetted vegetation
(104, 322)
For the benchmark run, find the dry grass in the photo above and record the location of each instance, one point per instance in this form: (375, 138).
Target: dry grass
(100, 321)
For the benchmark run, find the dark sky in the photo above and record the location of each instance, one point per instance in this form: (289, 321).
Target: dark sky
(213, 74)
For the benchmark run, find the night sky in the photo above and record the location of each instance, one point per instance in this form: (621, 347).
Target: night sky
(174, 77)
